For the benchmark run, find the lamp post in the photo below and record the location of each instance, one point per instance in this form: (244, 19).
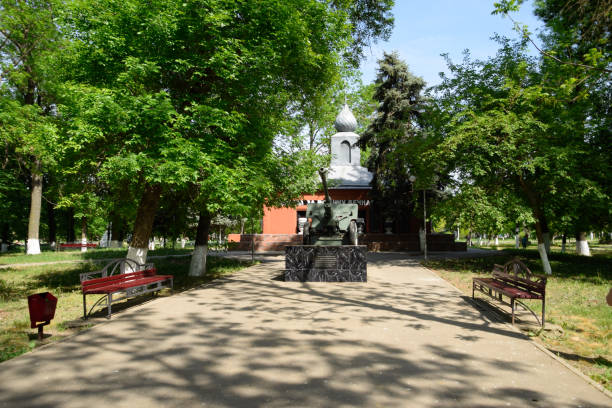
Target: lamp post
(412, 180)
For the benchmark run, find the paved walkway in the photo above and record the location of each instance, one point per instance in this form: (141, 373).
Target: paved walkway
(404, 339)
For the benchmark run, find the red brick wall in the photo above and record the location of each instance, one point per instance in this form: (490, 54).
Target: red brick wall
(284, 220)
(279, 220)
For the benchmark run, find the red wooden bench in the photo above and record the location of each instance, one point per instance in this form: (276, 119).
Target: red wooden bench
(77, 245)
(515, 281)
(121, 280)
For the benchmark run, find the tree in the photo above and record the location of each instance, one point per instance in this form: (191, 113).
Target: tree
(202, 91)
(576, 59)
(13, 191)
(494, 136)
(396, 127)
(473, 208)
(578, 34)
(27, 35)
(579, 30)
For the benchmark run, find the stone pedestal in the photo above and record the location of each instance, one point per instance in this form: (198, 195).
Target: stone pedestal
(316, 263)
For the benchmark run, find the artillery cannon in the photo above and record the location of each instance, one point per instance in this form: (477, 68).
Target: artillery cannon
(330, 223)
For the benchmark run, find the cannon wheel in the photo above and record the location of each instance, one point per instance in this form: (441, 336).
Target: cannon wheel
(353, 233)
(306, 236)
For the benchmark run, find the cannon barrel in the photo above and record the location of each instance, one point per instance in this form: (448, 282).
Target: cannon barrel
(323, 174)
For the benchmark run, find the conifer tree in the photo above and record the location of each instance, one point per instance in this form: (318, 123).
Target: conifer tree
(397, 124)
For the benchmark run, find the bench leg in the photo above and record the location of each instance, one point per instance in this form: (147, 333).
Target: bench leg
(109, 300)
(84, 308)
(512, 306)
(543, 310)
(473, 287)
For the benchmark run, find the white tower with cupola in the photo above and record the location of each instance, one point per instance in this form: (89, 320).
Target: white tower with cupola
(346, 170)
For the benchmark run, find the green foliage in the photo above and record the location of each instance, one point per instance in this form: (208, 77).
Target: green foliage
(473, 209)
(203, 104)
(28, 35)
(509, 131)
(369, 20)
(111, 96)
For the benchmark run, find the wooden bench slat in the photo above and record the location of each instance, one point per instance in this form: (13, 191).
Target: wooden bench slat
(521, 281)
(124, 285)
(535, 290)
(510, 291)
(118, 277)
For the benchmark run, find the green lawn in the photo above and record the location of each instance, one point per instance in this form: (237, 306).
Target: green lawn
(75, 255)
(575, 301)
(570, 247)
(62, 280)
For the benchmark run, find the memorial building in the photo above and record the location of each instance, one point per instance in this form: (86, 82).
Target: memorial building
(349, 182)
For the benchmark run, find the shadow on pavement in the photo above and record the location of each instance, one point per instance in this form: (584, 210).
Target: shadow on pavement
(250, 341)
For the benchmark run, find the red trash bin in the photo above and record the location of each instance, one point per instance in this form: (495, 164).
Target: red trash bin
(42, 309)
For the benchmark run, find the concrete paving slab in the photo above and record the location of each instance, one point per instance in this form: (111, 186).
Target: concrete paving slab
(406, 338)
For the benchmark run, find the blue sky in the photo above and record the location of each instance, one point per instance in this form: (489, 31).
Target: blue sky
(425, 29)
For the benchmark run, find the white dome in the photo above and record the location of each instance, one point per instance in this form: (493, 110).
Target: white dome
(345, 121)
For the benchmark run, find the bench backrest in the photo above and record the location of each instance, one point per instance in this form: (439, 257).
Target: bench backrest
(518, 274)
(116, 279)
(118, 266)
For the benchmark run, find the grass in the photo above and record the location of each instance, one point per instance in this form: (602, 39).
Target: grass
(570, 247)
(77, 255)
(16, 336)
(575, 304)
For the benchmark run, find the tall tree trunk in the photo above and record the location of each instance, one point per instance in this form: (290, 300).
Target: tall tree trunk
(84, 234)
(143, 225)
(33, 244)
(542, 249)
(70, 237)
(563, 242)
(516, 238)
(582, 245)
(545, 234)
(4, 236)
(534, 202)
(116, 238)
(52, 225)
(198, 259)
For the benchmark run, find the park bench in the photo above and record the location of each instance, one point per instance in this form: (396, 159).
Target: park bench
(76, 245)
(515, 281)
(120, 280)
